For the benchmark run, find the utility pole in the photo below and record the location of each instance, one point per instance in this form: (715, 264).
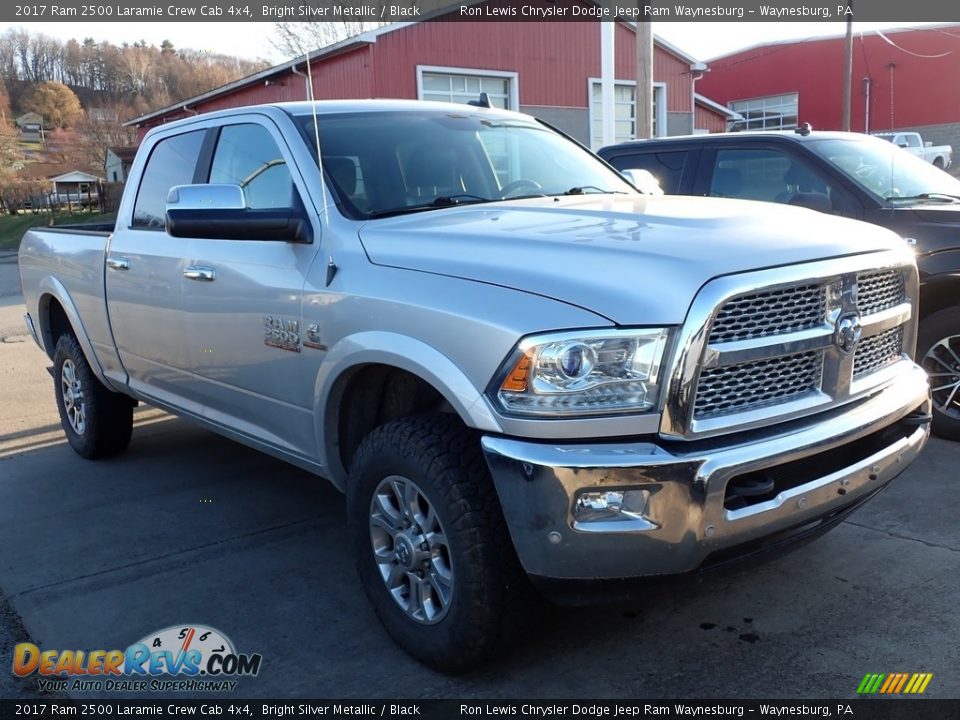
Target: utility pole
(848, 69)
(607, 70)
(644, 90)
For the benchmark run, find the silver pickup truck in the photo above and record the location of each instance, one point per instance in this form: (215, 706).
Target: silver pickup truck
(524, 374)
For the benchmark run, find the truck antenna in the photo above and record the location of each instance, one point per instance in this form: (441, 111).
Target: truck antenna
(316, 139)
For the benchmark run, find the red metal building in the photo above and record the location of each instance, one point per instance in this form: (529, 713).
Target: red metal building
(548, 69)
(902, 79)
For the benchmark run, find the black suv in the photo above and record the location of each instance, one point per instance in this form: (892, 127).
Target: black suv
(846, 174)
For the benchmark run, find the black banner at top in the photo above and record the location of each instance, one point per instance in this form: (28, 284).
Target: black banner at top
(492, 10)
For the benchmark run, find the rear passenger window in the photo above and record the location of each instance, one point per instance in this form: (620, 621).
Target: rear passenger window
(172, 162)
(666, 167)
(248, 156)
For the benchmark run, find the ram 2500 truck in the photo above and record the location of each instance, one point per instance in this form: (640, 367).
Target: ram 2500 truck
(523, 373)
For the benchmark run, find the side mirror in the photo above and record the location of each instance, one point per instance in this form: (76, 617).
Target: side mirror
(220, 212)
(903, 143)
(643, 180)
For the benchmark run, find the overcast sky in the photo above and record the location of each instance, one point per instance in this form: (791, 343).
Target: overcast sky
(703, 40)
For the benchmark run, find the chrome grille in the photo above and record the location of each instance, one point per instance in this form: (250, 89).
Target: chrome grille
(879, 290)
(770, 312)
(754, 384)
(875, 353)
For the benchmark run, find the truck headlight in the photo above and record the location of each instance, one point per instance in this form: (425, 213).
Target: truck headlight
(583, 373)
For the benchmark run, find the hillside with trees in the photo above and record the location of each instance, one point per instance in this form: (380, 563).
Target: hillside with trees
(84, 90)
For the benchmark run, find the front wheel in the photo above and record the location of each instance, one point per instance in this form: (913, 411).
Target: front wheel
(97, 422)
(939, 351)
(432, 550)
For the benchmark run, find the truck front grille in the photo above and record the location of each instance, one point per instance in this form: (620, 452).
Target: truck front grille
(880, 290)
(770, 346)
(876, 352)
(770, 312)
(756, 384)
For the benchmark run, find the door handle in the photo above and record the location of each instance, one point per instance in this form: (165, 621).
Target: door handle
(118, 263)
(200, 272)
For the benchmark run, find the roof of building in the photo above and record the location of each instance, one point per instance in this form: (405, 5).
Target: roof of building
(124, 154)
(832, 37)
(351, 43)
(716, 107)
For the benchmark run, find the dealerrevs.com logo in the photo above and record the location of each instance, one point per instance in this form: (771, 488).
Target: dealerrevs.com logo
(186, 658)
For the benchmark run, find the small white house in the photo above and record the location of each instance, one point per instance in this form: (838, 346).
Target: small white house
(75, 186)
(117, 163)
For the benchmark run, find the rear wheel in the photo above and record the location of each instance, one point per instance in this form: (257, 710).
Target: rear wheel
(97, 422)
(432, 549)
(939, 353)
(938, 162)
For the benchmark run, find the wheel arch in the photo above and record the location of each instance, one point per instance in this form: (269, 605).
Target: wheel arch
(939, 293)
(372, 378)
(57, 314)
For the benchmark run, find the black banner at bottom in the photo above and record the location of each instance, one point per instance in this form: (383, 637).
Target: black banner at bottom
(887, 709)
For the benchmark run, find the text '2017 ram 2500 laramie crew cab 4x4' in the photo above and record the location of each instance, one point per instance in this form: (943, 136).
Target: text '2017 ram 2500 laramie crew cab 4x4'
(516, 367)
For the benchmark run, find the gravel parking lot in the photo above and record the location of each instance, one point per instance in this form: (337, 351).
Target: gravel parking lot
(187, 527)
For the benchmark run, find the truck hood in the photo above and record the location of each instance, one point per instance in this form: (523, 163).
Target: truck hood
(632, 259)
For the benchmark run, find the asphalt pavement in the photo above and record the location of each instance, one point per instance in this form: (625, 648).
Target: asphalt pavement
(187, 527)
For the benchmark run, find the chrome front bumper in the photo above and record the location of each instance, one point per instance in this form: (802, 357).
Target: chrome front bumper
(673, 517)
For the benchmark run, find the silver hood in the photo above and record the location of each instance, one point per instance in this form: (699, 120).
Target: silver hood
(636, 260)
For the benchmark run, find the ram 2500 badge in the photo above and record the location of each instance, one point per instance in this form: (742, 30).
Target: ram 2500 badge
(522, 372)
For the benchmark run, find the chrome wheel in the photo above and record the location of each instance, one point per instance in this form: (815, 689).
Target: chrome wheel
(411, 550)
(72, 391)
(942, 363)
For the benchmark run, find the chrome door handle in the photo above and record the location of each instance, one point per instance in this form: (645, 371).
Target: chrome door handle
(200, 272)
(118, 263)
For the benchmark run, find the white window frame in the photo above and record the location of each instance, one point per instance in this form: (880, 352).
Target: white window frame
(746, 121)
(513, 94)
(660, 104)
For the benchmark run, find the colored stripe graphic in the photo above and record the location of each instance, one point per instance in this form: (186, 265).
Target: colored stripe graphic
(894, 683)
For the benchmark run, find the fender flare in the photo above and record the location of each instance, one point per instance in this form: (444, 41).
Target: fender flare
(405, 353)
(52, 288)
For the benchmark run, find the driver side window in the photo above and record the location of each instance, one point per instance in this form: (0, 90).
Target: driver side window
(247, 155)
(773, 175)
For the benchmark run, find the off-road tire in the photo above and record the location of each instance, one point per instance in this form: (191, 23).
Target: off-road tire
(491, 596)
(97, 422)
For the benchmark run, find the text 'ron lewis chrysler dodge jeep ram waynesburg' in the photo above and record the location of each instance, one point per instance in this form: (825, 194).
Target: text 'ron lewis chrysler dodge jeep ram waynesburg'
(517, 367)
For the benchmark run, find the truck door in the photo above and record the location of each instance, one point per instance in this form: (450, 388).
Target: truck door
(242, 301)
(144, 274)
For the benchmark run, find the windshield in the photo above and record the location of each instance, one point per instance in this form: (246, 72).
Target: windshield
(389, 163)
(887, 171)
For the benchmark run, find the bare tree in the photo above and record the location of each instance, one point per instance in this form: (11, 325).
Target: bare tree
(97, 132)
(298, 38)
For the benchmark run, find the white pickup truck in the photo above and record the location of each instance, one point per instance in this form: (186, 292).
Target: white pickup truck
(522, 372)
(940, 155)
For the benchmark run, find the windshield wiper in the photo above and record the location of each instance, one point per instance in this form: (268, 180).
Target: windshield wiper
(440, 202)
(582, 190)
(930, 196)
